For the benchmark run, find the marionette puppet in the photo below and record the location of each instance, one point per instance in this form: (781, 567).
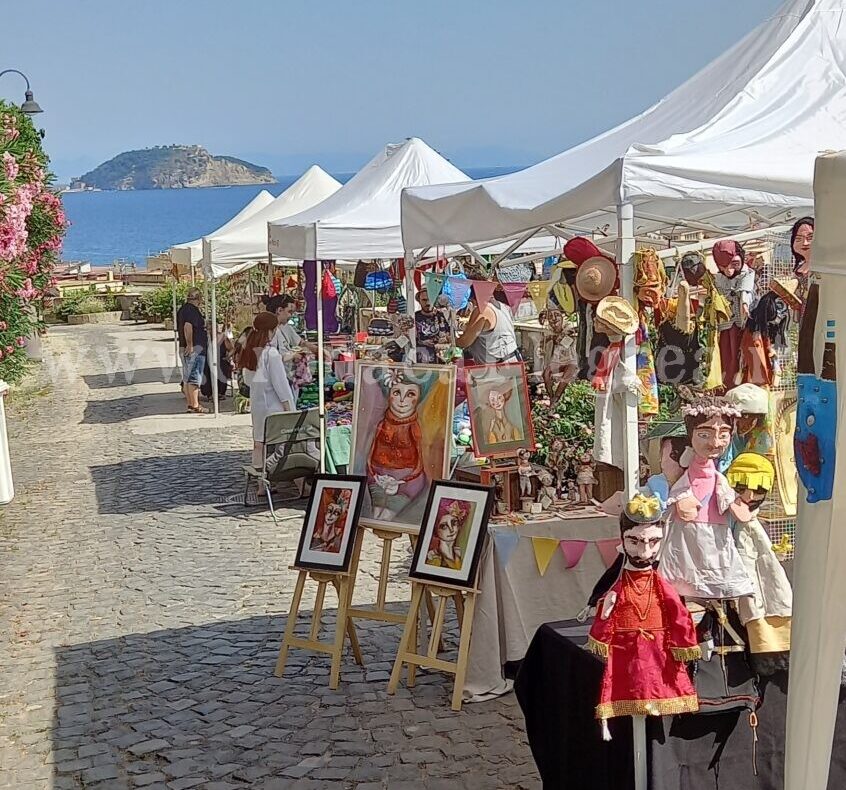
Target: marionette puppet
(767, 613)
(560, 363)
(642, 629)
(699, 556)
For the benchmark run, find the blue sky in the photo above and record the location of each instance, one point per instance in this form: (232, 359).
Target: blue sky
(286, 84)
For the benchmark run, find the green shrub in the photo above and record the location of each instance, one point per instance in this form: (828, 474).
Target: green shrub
(157, 305)
(90, 305)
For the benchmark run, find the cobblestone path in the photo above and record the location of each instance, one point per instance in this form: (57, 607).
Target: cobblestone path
(141, 609)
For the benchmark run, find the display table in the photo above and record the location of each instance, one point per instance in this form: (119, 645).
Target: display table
(558, 686)
(515, 599)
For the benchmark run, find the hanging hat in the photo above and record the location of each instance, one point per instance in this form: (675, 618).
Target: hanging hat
(580, 249)
(596, 279)
(643, 509)
(751, 470)
(619, 314)
(749, 399)
(725, 253)
(786, 288)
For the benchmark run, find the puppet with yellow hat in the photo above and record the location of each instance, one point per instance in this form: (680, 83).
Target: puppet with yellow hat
(766, 614)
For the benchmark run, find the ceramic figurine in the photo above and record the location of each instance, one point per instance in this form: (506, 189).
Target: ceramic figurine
(585, 479)
(525, 471)
(557, 463)
(642, 629)
(547, 490)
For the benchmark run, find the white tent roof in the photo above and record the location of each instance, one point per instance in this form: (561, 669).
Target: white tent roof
(191, 251)
(245, 244)
(362, 219)
(740, 135)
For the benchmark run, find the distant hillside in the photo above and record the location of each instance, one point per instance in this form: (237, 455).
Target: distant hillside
(172, 167)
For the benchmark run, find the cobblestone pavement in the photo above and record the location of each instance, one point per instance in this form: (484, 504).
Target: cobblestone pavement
(141, 610)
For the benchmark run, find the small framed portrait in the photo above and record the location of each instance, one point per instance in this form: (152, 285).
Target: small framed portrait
(452, 533)
(331, 520)
(500, 411)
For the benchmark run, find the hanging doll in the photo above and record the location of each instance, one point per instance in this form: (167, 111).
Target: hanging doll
(765, 334)
(699, 557)
(642, 629)
(767, 613)
(560, 364)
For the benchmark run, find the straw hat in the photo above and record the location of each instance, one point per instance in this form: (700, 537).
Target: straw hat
(786, 288)
(619, 314)
(785, 459)
(596, 279)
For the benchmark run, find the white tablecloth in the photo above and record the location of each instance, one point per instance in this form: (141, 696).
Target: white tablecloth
(515, 600)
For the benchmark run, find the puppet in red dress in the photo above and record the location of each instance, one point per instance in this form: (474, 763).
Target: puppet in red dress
(642, 629)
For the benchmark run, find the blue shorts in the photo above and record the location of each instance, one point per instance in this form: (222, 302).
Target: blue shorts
(193, 366)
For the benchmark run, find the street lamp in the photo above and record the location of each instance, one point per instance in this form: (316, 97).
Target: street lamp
(30, 106)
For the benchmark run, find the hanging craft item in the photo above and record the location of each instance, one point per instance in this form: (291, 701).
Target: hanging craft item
(515, 271)
(483, 291)
(513, 294)
(565, 296)
(816, 420)
(456, 289)
(362, 269)
(596, 278)
(650, 281)
(539, 292)
(788, 289)
(642, 630)
(379, 281)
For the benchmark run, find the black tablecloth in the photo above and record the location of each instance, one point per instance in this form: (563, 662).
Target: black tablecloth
(558, 685)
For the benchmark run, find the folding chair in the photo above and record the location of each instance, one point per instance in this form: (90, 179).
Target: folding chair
(289, 433)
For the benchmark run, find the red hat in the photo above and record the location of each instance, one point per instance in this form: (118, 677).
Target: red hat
(580, 249)
(725, 253)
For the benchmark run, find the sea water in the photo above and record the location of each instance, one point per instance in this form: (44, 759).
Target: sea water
(132, 225)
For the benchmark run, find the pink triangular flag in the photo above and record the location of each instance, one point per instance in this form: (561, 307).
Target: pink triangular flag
(608, 550)
(484, 291)
(514, 294)
(573, 550)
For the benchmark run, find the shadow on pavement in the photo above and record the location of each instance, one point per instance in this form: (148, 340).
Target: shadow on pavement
(168, 375)
(195, 705)
(106, 412)
(159, 483)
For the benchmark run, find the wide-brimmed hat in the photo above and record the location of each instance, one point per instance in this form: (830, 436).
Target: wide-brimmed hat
(579, 249)
(619, 314)
(596, 279)
(787, 288)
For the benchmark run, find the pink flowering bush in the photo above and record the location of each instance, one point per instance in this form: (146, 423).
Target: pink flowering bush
(32, 223)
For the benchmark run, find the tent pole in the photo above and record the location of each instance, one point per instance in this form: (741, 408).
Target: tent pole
(625, 258)
(321, 396)
(212, 340)
(410, 263)
(175, 327)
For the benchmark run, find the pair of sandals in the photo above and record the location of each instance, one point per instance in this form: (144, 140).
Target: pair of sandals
(197, 410)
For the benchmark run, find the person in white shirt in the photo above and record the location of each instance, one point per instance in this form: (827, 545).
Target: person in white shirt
(264, 373)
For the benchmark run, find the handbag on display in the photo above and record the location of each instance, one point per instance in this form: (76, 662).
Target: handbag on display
(362, 269)
(380, 327)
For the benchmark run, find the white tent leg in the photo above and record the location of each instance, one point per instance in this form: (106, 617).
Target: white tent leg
(625, 257)
(214, 366)
(176, 358)
(410, 263)
(321, 379)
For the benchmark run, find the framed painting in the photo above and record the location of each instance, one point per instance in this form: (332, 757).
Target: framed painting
(401, 438)
(500, 411)
(331, 520)
(453, 533)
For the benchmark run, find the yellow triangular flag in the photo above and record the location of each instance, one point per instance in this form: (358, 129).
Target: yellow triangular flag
(539, 291)
(544, 549)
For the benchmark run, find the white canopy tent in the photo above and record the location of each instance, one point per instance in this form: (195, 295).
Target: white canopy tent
(189, 253)
(244, 244)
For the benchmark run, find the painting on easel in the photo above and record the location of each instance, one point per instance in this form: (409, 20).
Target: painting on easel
(500, 412)
(453, 533)
(401, 438)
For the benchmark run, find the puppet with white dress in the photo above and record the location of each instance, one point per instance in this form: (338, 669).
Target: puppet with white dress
(642, 629)
(767, 613)
(699, 556)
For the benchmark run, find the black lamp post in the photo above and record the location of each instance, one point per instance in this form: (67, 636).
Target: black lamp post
(30, 106)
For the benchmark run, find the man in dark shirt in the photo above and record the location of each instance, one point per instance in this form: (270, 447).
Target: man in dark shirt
(431, 328)
(193, 339)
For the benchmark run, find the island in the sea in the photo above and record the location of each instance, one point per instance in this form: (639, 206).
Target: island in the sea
(172, 167)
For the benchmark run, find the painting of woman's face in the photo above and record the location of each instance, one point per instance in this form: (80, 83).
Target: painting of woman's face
(403, 399)
(710, 439)
(448, 528)
(496, 400)
(333, 513)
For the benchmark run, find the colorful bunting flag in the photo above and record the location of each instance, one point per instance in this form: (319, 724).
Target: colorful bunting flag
(513, 294)
(544, 549)
(608, 550)
(484, 291)
(505, 541)
(573, 551)
(457, 290)
(539, 291)
(434, 284)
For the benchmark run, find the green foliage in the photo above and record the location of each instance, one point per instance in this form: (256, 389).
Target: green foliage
(571, 420)
(157, 305)
(84, 301)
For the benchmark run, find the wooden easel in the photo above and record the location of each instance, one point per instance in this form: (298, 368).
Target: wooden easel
(344, 626)
(465, 604)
